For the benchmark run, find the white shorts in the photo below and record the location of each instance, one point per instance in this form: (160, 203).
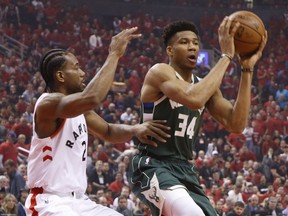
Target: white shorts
(47, 204)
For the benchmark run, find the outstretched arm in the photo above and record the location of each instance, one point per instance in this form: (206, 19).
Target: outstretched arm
(118, 133)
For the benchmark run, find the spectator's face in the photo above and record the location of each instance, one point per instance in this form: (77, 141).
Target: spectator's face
(123, 203)
(254, 201)
(23, 197)
(272, 204)
(103, 201)
(238, 210)
(219, 206)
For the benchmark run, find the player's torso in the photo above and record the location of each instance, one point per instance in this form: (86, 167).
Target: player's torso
(184, 124)
(58, 162)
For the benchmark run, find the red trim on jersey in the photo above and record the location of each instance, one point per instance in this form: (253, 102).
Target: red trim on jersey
(47, 157)
(57, 131)
(33, 203)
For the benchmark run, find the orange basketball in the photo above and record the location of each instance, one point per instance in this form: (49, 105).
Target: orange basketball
(248, 37)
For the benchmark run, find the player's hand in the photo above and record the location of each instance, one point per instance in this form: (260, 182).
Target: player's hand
(120, 41)
(250, 61)
(152, 129)
(226, 36)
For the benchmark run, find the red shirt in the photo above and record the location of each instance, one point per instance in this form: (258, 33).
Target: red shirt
(245, 156)
(237, 140)
(116, 187)
(9, 151)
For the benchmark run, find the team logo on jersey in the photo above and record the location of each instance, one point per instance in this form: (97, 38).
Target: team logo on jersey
(47, 156)
(154, 194)
(147, 161)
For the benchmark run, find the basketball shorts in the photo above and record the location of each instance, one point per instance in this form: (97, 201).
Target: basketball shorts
(149, 176)
(47, 204)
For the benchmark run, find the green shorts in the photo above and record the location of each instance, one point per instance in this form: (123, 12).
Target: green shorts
(149, 175)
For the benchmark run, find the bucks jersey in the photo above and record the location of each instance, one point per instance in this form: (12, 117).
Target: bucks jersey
(184, 124)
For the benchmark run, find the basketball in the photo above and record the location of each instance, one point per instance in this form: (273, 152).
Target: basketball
(248, 37)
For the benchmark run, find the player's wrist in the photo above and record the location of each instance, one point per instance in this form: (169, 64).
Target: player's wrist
(247, 69)
(225, 55)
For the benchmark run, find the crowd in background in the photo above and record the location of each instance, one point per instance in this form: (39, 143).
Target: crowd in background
(248, 170)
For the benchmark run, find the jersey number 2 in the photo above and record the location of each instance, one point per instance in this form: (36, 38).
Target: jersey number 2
(83, 156)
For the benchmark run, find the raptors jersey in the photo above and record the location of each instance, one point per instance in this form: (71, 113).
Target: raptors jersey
(58, 163)
(184, 124)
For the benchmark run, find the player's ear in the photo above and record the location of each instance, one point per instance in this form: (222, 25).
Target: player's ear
(169, 50)
(59, 76)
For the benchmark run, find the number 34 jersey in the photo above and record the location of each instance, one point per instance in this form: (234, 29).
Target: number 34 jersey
(58, 163)
(184, 123)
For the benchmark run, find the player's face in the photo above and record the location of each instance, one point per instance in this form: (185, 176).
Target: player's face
(73, 75)
(183, 50)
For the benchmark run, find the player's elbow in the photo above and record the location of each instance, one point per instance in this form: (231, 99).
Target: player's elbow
(238, 127)
(196, 104)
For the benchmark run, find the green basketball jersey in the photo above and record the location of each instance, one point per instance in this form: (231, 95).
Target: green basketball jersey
(184, 124)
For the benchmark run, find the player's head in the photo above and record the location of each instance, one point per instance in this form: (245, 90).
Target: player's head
(52, 61)
(61, 72)
(175, 27)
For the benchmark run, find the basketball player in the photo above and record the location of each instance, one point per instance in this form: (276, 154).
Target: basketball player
(63, 118)
(162, 177)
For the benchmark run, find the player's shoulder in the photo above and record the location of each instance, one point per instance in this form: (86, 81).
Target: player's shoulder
(46, 97)
(161, 69)
(160, 66)
(48, 100)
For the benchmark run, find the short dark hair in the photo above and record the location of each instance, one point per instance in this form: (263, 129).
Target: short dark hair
(52, 61)
(239, 204)
(171, 29)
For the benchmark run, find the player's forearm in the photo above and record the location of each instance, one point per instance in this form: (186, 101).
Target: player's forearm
(211, 83)
(242, 104)
(99, 86)
(119, 133)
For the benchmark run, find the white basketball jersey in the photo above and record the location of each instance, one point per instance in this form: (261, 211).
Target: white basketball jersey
(58, 163)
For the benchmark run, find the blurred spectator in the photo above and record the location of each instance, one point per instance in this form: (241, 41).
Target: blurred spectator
(271, 207)
(122, 206)
(236, 193)
(95, 40)
(23, 148)
(253, 207)
(238, 209)
(23, 127)
(4, 184)
(107, 170)
(21, 202)
(206, 173)
(102, 200)
(281, 96)
(236, 164)
(246, 154)
(12, 15)
(8, 150)
(16, 180)
(247, 192)
(9, 205)
(3, 129)
(134, 82)
(97, 178)
(116, 185)
(29, 93)
(236, 140)
(219, 207)
(125, 191)
(39, 10)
